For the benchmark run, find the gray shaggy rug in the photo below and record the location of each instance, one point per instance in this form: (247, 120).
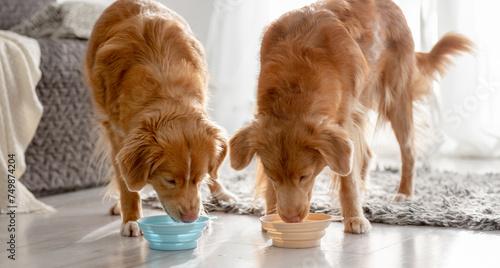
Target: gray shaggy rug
(467, 201)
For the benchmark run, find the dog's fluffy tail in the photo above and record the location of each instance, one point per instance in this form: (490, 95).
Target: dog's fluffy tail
(439, 58)
(434, 63)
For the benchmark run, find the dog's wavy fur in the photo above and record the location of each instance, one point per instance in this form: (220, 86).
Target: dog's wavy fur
(148, 76)
(323, 67)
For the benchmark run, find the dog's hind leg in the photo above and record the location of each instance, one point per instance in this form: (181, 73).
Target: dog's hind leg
(220, 192)
(270, 199)
(115, 208)
(365, 168)
(264, 188)
(401, 118)
(365, 155)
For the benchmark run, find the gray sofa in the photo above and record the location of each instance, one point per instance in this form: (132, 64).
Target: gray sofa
(58, 159)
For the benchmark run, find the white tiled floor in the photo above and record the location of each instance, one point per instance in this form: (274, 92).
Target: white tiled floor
(82, 234)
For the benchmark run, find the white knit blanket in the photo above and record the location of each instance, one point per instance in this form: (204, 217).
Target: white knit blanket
(20, 113)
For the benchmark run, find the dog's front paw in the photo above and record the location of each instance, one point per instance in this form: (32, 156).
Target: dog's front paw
(130, 228)
(225, 195)
(357, 225)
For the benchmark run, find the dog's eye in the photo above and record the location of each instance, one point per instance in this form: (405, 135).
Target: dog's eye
(303, 177)
(271, 178)
(170, 181)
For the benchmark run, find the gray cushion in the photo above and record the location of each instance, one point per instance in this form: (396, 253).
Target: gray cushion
(12, 12)
(58, 158)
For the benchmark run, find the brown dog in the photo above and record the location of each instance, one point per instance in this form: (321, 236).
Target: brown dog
(149, 76)
(322, 68)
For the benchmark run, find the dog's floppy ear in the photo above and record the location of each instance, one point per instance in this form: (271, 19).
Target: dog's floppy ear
(335, 148)
(241, 147)
(220, 154)
(136, 159)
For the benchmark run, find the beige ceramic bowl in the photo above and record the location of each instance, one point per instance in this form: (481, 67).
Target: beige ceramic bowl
(305, 234)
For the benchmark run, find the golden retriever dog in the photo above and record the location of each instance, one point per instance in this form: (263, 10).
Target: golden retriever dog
(148, 76)
(323, 67)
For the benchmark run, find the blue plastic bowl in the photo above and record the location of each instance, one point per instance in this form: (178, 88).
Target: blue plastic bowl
(163, 233)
